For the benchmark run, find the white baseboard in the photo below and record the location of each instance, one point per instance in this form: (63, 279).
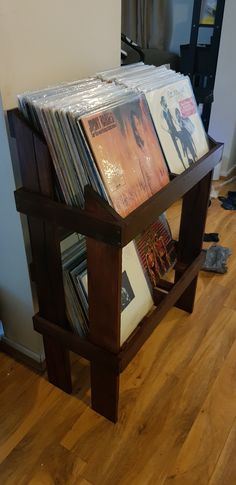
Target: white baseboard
(40, 358)
(226, 173)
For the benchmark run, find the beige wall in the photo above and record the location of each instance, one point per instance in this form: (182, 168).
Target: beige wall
(41, 43)
(16, 306)
(46, 41)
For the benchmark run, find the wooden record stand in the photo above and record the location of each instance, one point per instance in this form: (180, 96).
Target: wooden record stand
(106, 234)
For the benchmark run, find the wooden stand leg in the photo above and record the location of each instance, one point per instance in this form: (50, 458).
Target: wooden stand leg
(186, 302)
(58, 364)
(104, 391)
(36, 172)
(104, 289)
(192, 226)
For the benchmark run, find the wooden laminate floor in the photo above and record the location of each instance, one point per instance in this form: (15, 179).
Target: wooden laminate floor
(177, 405)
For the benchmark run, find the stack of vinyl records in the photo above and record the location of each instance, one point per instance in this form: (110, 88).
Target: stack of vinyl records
(74, 267)
(121, 132)
(144, 261)
(173, 108)
(91, 131)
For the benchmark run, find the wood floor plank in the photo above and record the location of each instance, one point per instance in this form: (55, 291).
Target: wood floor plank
(156, 433)
(203, 446)
(131, 381)
(177, 403)
(177, 339)
(38, 406)
(39, 449)
(23, 391)
(59, 467)
(8, 372)
(225, 470)
(139, 407)
(44, 476)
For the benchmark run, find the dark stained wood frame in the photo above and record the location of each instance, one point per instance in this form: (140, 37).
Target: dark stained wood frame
(106, 233)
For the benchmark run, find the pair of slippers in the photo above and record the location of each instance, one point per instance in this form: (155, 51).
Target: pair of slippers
(229, 202)
(211, 237)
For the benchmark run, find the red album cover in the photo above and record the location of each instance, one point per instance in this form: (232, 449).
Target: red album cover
(156, 250)
(127, 153)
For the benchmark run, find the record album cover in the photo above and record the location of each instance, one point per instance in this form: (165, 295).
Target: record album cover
(136, 295)
(126, 150)
(178, 124)
(156, 250)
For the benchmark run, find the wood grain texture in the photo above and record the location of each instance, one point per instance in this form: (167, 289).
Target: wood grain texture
(71, 218)
(225, 470)
(104, 294)
(192, 225)
(104, 261)
(177, 401)
(202, 448)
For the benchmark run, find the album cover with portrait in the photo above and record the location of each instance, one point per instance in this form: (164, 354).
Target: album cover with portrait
(178, 124)
(127, 153)
(156, 250)
(136, 296)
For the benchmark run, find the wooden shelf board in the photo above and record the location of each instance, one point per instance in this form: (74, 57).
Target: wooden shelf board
(75, 343)
(149, 323)
(118, 362)
(118, 231)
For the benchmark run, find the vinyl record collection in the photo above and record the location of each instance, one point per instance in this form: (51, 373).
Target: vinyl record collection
(121, 132)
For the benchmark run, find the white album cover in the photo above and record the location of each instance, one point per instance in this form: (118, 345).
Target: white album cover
(178, 124)
(136, 298)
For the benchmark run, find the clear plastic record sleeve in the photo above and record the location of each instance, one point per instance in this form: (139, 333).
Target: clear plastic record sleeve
(127, 153)
(178, 124)
(136, 298)
(102, 134)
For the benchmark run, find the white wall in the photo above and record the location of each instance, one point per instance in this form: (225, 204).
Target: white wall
(41, 43)
(182, 11)
(223, 115)
(16, 307)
